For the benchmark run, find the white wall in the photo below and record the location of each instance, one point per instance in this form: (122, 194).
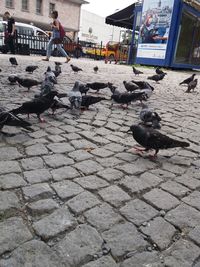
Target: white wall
(100, 30)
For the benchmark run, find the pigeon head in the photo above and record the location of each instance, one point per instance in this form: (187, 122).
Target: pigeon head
(48, 69)
(193, 75)
(124, 82)
(76, 87)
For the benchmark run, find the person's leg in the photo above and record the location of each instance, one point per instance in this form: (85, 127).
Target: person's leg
(12, 44)
(49, 48)
(63, 52)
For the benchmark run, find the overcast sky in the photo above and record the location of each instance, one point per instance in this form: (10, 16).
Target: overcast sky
(106, 7)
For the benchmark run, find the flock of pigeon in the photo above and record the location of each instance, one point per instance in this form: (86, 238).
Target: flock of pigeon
(146, 133)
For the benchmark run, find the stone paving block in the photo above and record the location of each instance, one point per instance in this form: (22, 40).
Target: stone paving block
(33, 253)
(60, 147)
(71, 136)
(188, 181)
(163, 173)
(105, 261)
(151, 179)
(57, 160)
(91, 182)
(32, 163)
(56, 138)
(41, 207)
(182, 253)
(37, 176)
(83, 144)
(193, 199)
(129, 157)
(57, 222)
(66, 172)
(82, 202)
(183, 217)
(81, 245)
(9, 167)
(161, 199)
(11, 180)
(80, 155)
(9, 153)
(54, 131)
(88, 167)
(134, 185)
(102, 217)
(194, 235)
(38, 134)
(101, 152)
(37, 191)
(9, 202)
(115, 147)
(138, 211)
(160, 232)
(36, 150)
(13, 232)
(122, 239)
(131, 169)
(69, 128)
(143, 259)
(114, 195)
(67, 189)
(109, 162)
(175, 189)
(110, 174)
(176, 169)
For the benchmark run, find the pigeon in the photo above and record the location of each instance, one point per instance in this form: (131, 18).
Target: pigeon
(58, 104)
(50, 76)
(112, 88)
(143, 85)
(188, 80)
(36, 106)
(75, 68)
(136, 72)
(75, 96)
(83, 89)
(13, 61)
(58, 63)
(97, 86)
(7, 118)
(57, 70)
(145, 88)
(127, 98)
(149, 117)
(96, 69)
(159, 71)
(157, 77)
(27, 82)
(31, 69)
(192, 85)
(90, 100)
(152, 139)
(130, 87)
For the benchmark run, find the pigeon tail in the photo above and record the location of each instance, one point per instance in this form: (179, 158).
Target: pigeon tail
(176, 143)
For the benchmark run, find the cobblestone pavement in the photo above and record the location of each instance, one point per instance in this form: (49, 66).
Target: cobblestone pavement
(72, 193)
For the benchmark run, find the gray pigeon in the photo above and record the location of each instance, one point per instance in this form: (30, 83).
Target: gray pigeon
(192, 85)
(130, 86)
(75, 97)
(150, 117)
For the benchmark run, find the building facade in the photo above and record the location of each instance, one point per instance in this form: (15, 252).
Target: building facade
(94, 29)
(37, 12)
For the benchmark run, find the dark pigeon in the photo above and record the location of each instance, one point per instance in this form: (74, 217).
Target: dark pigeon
(27, 82)
(57, 70)
(192, 85)
(97, 86)
(75, 68)
(127, 98)
(112, 87)
(152, 139)
(75, 96)
(143, 85)
(159, 71)
(36, 106)
(83, 88)
(130, 87)
(157, 77)
(188, 80)
(89, 100)
(13, 61)
(9, 119)
(136, 71)
(31, 69)
(12, 78)
(96, 69)
(150, 117)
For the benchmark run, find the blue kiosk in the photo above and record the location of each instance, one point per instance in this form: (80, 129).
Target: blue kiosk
(169, 33)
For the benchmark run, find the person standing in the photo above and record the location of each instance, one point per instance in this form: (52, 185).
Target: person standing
(10, 32)
(55, 25)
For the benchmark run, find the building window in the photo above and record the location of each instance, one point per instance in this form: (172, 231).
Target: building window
(39, 7)
(52, 7)
(10, 3)
(25, 5)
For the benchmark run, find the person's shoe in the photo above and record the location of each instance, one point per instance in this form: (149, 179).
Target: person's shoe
(45, 59)
(68, 60)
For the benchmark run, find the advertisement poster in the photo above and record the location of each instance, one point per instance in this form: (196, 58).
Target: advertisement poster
(154, 30)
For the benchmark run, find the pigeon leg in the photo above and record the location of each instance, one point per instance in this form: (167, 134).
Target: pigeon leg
(28, 116)
(41, 119)
(154, 156)
(139, 149)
